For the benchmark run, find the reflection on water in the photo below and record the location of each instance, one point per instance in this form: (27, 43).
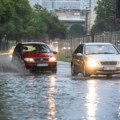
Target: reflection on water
(51, 100)
(91, 99)
(31, 81)
(119, 112)
(10, 56)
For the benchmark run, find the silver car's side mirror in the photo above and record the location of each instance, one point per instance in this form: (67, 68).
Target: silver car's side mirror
(79, 54)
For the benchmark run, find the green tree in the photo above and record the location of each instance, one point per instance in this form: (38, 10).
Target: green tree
(37, 27)
(14, 17)
(44, 23)
(21, 18)
(6, 13)
(55, 28)
(105, 20)
(19, 21)
(76, 30)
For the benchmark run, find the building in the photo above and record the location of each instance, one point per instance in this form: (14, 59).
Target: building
(69, 11)
(33, 2)
(65, 4)
(62, 4)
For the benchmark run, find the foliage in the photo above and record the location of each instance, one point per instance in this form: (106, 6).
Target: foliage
(15, 16)
(37, 27)
(46, 23)
(19, 21)
(76, 30)
(105, 20)
(61, 57)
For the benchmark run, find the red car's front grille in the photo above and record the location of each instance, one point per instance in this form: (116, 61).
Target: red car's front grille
(42, 59)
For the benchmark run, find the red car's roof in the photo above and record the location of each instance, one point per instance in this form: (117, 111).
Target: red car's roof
(32, 43)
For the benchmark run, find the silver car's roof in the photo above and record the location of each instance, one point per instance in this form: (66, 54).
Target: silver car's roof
(95, 43)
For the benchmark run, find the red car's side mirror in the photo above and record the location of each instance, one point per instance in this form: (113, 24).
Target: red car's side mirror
(54, 52)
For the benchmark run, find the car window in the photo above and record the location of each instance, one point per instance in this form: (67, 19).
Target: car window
(79, 49)
(18, 49)
(36, 48)
(29, 48)
(100, 49)
(43, 49)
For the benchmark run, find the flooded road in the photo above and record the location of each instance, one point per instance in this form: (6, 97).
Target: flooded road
(47, 96)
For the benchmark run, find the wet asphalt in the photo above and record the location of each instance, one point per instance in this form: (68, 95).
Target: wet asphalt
(60, 96)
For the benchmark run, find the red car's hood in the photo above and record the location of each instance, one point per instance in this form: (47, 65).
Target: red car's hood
(37, 55)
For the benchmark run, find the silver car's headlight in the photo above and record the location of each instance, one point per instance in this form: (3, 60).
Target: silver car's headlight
(29, 59)
(92, 63)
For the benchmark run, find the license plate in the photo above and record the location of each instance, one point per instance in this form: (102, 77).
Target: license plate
(109, 68)
(42, 65)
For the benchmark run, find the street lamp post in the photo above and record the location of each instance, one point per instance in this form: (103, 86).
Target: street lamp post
(52, 1)
(115, 31)
(113, 28)
(87, 21)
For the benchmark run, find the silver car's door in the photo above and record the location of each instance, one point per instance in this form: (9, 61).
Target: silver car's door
(78, 58)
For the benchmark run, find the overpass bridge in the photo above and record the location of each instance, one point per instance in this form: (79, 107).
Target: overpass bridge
(71, 17)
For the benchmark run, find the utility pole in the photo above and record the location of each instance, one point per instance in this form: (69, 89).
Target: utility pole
(116, 17)
(52, 5)
(87, 21)
(117, 9)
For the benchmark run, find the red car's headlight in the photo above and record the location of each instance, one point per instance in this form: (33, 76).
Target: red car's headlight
(52, 59)
(10, 51)
(29, 59)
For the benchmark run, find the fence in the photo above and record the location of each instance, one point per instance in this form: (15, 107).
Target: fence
(67, 46)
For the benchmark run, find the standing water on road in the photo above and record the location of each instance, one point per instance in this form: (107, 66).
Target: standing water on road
(47, 96)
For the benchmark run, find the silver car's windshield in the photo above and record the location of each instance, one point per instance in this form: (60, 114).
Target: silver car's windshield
(100, 49)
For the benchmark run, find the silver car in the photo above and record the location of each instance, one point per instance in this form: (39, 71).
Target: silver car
(95, 58)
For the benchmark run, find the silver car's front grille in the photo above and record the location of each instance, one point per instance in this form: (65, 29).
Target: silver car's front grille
(42, 59)
(109, 63)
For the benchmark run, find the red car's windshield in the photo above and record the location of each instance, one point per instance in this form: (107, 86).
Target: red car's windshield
(36, 48)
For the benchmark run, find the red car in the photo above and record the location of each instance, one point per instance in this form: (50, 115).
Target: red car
(35, 56)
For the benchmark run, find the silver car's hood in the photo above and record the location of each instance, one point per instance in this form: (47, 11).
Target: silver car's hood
(105, 57)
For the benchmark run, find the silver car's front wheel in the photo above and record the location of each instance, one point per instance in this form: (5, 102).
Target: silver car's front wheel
(73, 70)
(54, 71)
(109, 75)
(85, 72)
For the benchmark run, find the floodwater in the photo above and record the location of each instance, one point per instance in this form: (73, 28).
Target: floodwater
(47, 96)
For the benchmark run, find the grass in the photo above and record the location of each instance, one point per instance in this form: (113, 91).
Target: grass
(63, 58)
